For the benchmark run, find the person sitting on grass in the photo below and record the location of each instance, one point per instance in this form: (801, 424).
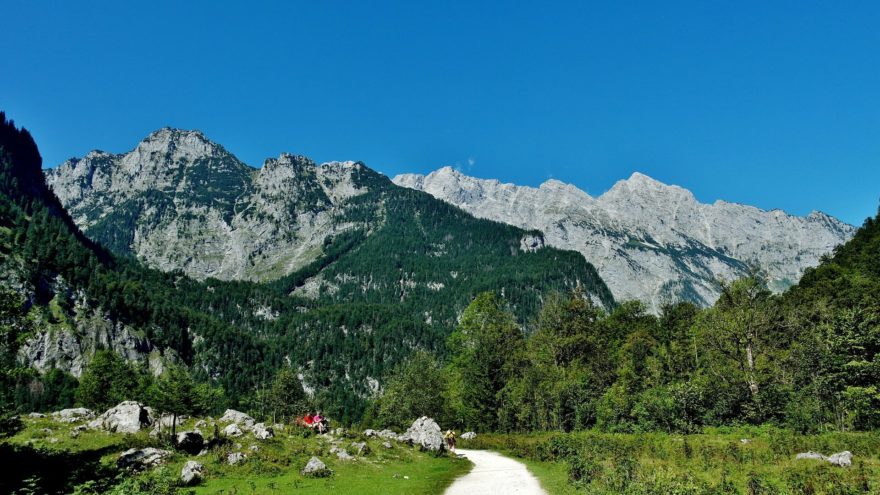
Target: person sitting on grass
(320, 422)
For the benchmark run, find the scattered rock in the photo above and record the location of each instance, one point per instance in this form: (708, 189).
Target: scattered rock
(47, 431)
(843, 459)
(232, 430)
(73, 415)
(343, 455)
(192, 472)
(468, 436)
(80, 428)
(244, 421)
(36, 415)
(339, 432)
(315, 468)
(388, 435)
(254, 448)
(263, 433)
(235, 458)
(387, 445)
(278, 427)
(371, 433)
(426, 433)
(125, 417)
(74, 433)
(138, 459)
(360, 448)
(201, 423)
(53, 440)
(745, 441)
(191, 442)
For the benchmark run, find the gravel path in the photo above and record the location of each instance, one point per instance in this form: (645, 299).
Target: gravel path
(494, 474)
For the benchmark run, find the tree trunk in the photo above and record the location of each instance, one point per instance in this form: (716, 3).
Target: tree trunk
(750, 362)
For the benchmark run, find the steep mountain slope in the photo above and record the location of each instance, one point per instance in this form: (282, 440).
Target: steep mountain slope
(650, 241)
(179, 201)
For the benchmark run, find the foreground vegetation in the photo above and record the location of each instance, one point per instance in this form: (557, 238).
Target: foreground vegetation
(724, 461)
(43, 457)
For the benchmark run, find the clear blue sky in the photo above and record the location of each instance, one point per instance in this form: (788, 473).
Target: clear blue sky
(775, 104)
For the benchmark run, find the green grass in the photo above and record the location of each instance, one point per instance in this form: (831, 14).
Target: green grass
(716, 462)
(273, 468)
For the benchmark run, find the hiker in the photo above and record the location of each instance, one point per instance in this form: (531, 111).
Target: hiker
(450, 440)
(320, 422)
(308, 420)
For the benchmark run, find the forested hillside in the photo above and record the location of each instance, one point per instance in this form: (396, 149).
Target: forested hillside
(805, 360)
(373, 295)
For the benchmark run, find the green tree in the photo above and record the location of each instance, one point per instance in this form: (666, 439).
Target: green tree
(418, 387)
(288, 398)
(486, 349)
(109, 380)
(175, 393)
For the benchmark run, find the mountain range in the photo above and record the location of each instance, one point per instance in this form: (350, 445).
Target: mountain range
(650, 241)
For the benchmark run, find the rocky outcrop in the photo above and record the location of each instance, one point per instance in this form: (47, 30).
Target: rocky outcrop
(125, 417)
(192, 472)
(261, 432)
(426, 433)
(191, 442)
(232, 430)
(73, 415)
(187, 203)
(315, 469)
(140, 459)
(648, 240)
(239, 418)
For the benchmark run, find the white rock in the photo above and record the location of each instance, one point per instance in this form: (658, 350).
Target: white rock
(232, 430)
(469, 435)
(73, 415)
(235, 458)
(244, 421)
(125, 417)
(426, 433)
(138, 459)
(192, 472)
(261, 432)
(315, 468)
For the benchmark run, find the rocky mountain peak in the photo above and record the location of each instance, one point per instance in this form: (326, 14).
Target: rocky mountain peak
(649, 240)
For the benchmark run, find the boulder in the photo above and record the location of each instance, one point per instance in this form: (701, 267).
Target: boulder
(315, 468)
(261, 432)
(468, 436)
(125, 417)
(388, 435)
(842, 459)
(371, 433)
(343, 455)
(139, 459)
(36, 415)
(190, 442)
(192, 472)
(244, 421)
(235, 458)
(387, 445)
(232, 430)
(426, 433)
(73, 415)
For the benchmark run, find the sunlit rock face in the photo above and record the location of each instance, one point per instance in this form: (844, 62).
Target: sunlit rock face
(650, 241)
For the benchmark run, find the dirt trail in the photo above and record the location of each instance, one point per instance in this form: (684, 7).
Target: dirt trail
(494, 474)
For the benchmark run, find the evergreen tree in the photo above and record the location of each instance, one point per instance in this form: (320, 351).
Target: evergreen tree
(287, 396)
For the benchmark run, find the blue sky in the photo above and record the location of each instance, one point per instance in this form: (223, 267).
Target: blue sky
(775, 104)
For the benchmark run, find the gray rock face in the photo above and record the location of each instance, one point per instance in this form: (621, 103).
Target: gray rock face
(192, 472)
(469, 435)
(315, 468)
(190, 442)
(73, 415)
(649, 241)
(139, 459)
(239, 418)
(198, 208)
(125, 417)
(261, 432)
(426, 433)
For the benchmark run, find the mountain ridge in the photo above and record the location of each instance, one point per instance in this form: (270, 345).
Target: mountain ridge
(650, 241)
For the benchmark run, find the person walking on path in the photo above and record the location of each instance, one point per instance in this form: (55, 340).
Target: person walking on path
(450, 440)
